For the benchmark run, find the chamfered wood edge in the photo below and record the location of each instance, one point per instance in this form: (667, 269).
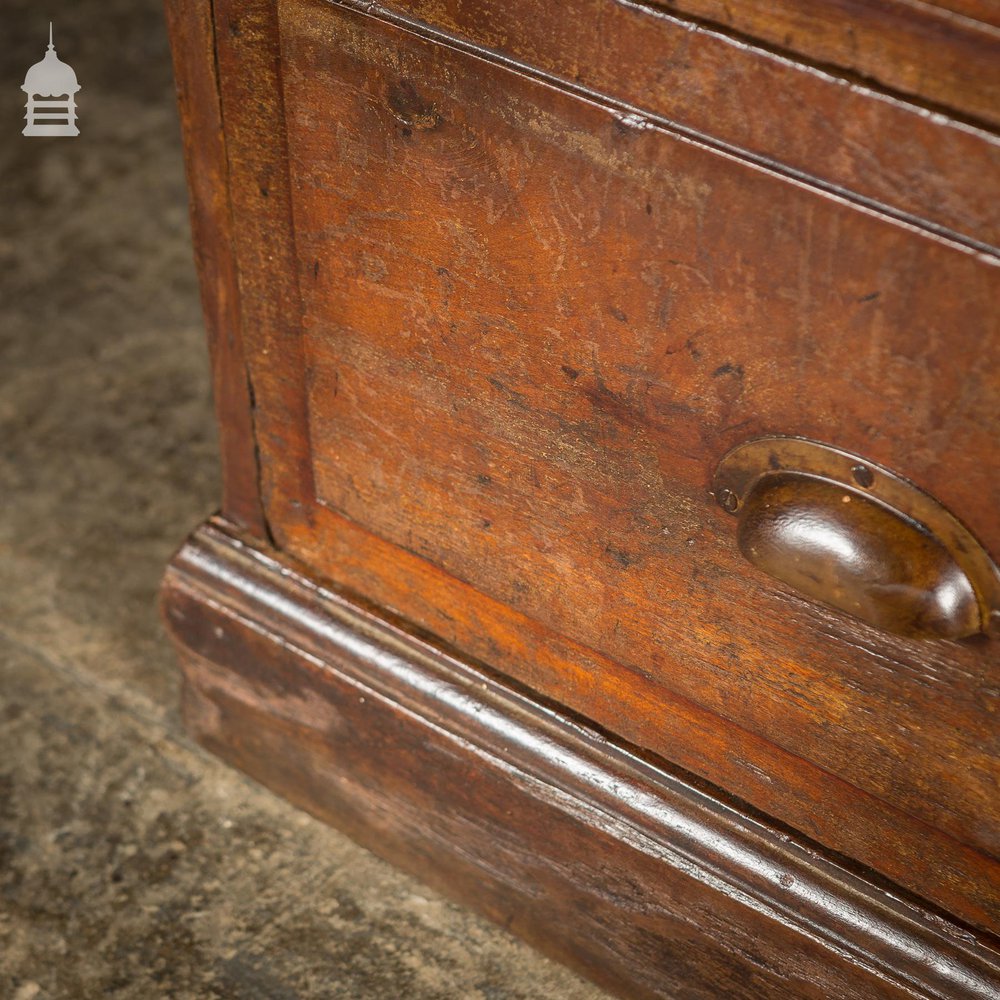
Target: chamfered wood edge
(640, 877)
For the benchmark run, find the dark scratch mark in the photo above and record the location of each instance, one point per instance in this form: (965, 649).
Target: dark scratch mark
(514, 397)
(411, 109)
(622, 558)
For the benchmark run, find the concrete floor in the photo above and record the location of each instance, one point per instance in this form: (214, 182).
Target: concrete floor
(132, 864)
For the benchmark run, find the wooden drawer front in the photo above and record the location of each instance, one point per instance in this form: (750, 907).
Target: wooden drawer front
(828, 128)
(532, 324)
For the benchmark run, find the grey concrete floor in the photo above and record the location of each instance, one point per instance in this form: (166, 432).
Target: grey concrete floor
(132, 864)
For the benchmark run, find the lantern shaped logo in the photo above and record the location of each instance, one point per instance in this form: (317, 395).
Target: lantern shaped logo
(51, 78)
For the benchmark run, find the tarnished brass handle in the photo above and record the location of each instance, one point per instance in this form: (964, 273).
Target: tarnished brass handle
(855, 536)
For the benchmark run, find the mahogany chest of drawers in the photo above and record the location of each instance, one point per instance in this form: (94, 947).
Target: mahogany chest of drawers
(609, 397)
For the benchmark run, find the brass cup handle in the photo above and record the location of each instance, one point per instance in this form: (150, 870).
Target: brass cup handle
(853, 535)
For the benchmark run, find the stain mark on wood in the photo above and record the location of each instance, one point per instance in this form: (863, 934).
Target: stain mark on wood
(411, 109)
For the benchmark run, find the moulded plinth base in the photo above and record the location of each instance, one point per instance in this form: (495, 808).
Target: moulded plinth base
(638, 876)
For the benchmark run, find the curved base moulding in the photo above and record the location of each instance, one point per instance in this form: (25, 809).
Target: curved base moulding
(640, 877)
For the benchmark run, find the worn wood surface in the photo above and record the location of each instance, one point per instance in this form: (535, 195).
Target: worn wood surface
(615, 337)
(944, 53)
(832, 130)
(246, 51)
(651, 884)
(525, 284)
(192, 45)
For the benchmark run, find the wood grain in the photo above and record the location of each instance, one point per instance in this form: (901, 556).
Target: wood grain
(270, 314)
(650, 884)
(944, 53)
(526, 283)
(192, 44)
(647, 713)
(615, 337)
(818, 125)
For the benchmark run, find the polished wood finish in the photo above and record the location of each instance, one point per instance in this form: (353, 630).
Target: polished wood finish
(492, 292)
(653, 884)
